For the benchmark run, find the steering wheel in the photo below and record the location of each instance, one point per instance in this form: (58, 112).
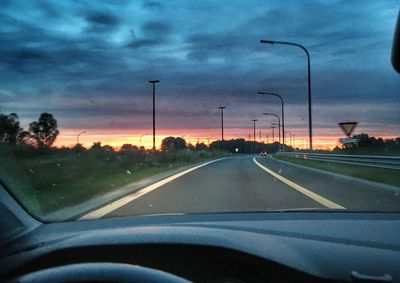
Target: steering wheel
(99, 272)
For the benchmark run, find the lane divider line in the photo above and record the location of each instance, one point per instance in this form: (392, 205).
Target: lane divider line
(325, 202)
(100, 212)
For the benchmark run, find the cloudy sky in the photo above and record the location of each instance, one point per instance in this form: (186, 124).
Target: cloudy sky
(88, 63)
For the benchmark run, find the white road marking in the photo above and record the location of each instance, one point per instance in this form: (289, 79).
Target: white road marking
(98, 213)
(310, 194)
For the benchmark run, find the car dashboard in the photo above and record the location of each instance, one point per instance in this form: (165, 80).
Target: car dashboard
(236, 247)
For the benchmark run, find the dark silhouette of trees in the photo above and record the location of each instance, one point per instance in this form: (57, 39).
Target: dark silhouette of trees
(201, 146)
(25, 138)
(173, 144)
(79, 148)
(244, 146)
(9, 128)
(128, 147)
(371, 145)
(45, 131)
(98, 147)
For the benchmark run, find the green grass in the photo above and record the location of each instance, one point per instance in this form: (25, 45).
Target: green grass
(385, 176)
(48, 181)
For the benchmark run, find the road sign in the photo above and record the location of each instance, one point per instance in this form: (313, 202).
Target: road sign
(348, 141)
(348, 127)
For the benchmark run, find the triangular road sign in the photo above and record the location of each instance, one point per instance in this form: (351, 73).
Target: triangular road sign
(348, 127)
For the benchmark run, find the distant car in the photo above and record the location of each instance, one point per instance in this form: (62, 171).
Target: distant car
(263, 153)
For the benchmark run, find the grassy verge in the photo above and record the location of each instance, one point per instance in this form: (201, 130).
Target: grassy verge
(385, 176)
(53, 179)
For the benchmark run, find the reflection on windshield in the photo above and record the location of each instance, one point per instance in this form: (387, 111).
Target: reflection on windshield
(198, 107)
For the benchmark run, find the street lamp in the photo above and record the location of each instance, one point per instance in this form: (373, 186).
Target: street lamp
(282, 110)
(279, 130)
(273, 133)
(309, 81)
(254, 128)
(77, 136)
(254, 132)
(290, 137)
(140, 139)
(222, 121)
(153, 82)
(294, 141)
(279, 123)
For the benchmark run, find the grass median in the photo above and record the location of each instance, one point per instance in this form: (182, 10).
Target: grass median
(385, 176)
(49, 180)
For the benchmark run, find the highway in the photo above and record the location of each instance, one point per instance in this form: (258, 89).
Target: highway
(253, 183)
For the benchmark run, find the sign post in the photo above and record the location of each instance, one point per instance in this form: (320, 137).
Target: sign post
(348, 128)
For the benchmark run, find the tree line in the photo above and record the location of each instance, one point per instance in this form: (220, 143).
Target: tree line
(40, 134)
(371, 145)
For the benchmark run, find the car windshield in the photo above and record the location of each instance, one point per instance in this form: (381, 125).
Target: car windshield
(130, 108)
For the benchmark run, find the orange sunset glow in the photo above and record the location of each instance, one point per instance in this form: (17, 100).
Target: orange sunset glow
(116, 138)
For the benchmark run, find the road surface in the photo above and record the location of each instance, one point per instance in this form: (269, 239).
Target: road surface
(252, 183)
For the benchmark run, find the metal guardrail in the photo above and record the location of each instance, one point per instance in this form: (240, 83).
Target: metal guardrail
(386, 162)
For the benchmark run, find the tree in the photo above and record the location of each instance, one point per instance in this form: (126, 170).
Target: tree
(173, 144)
(201, 146)
(128, 147)
(79, 148)
(44, 132)
(25, 138)
(9, 128)
(98, 147)
(363, 140)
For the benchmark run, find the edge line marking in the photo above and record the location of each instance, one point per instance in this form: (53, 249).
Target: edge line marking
(108, 208)
(321, 200)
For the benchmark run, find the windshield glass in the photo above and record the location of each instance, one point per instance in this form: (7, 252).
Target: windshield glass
(177, 107)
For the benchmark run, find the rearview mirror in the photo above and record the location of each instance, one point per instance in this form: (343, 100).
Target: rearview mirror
(396, 46)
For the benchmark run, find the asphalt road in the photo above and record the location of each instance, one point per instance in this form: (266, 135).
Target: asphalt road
(238, 184)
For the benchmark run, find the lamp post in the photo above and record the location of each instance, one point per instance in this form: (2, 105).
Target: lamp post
(77, 136)
(222, 121)
(273, 134)
(279, 130)
(254, 128)
(294, 141)
(308, 78)
(282, 111)
(290, 137)
(254, 134)
(153, 82)
(279, 123)
(140, 139)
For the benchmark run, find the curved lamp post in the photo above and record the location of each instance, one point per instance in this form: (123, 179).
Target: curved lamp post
(309, 80)
(77, 136)
(282, 111)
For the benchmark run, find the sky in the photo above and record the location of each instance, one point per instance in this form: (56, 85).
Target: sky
(89, 62)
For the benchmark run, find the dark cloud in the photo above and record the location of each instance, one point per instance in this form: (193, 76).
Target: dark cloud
(102, 21)
(102, 18)
(142, 43)
(152, 4)
(204, 54)
(203, 46)
(155, 28)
